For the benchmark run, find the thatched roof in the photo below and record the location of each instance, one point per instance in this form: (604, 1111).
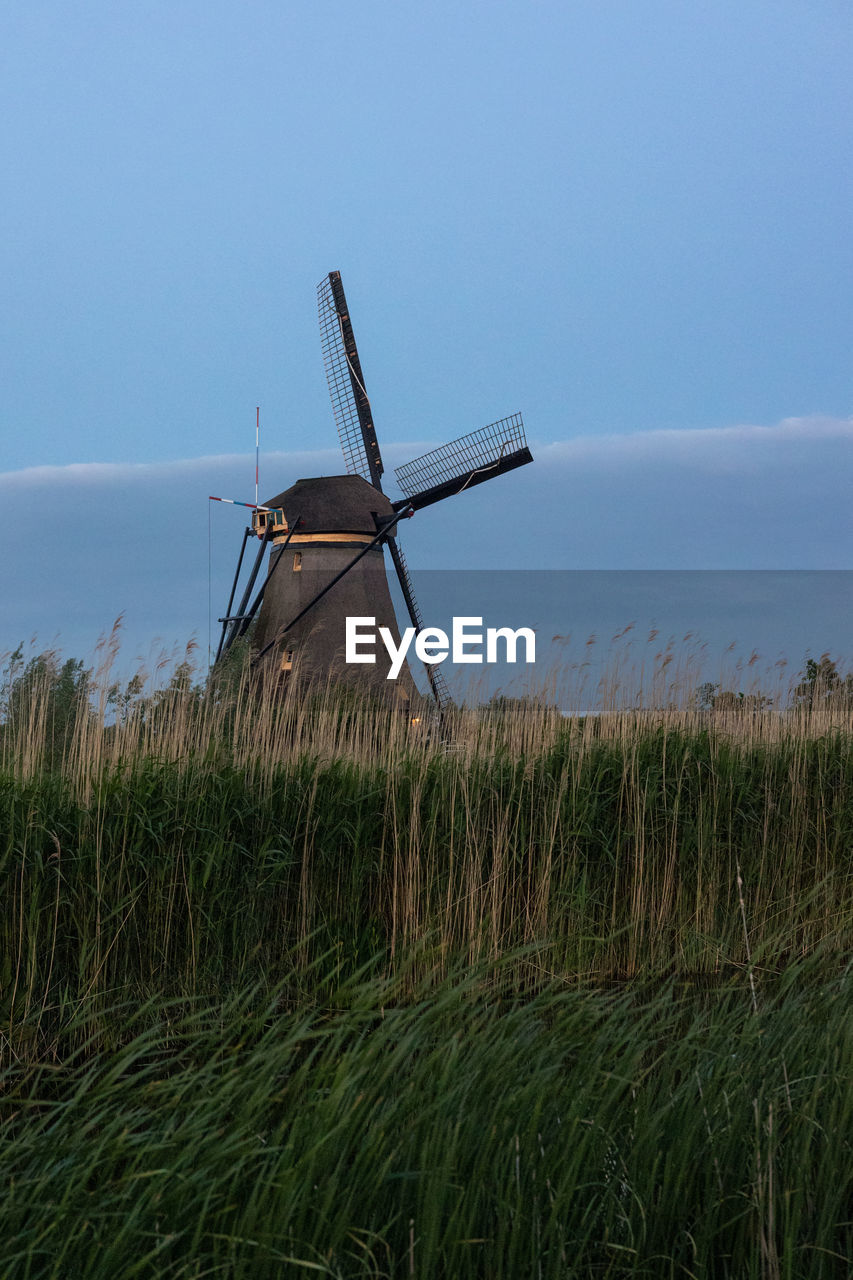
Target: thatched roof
(332, 504)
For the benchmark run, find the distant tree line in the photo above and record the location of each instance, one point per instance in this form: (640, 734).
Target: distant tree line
(820, 684)
(60, 693)
(64, 691)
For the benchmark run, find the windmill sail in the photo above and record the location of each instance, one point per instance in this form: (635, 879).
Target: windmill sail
(437, 682)
(336, 568)
(463, 463)
(346, 383)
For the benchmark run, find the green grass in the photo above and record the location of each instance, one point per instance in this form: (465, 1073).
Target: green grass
(298, 991)
(461, 1131)
(198, 875)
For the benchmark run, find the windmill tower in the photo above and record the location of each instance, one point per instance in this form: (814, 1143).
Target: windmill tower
(327, 534)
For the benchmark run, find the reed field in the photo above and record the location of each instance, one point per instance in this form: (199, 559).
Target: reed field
(295, 987)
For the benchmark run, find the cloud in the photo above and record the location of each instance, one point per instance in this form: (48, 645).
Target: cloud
(795, 444)
(706, 442)
(734, 497)
(85, 542)
(108, 474)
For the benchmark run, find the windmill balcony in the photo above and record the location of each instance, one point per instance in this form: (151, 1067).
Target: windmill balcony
(268, 517)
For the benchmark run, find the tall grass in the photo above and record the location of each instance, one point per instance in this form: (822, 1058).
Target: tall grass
(457, 1132)
(298, 987)
(200, 842)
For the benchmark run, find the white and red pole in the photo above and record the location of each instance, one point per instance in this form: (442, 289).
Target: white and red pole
(235, 503)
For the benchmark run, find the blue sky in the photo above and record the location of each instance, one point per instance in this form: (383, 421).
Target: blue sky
(629, 221)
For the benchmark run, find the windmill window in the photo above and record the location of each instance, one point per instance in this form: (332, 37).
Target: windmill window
(287, 660)
(297, 561)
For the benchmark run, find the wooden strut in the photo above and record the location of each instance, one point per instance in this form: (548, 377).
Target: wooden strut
(253, 609)
(232, 635)
(247, 533)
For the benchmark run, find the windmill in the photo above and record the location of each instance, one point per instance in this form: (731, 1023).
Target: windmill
(328, 533)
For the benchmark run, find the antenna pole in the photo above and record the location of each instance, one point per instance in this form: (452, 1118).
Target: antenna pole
(257, 448)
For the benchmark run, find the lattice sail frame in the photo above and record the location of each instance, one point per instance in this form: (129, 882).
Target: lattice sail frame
(480, 450)
(346, 383)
